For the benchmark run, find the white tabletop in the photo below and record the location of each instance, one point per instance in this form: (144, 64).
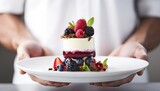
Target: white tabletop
(82, 87)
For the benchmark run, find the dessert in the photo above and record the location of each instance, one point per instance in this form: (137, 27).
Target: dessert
(78, 48)
(78, 41)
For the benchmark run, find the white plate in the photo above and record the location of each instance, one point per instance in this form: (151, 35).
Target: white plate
(118, 68)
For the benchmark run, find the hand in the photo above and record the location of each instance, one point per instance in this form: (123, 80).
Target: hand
(130, 49)
(34, 49)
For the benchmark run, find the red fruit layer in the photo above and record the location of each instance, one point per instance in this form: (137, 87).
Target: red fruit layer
(78, 54)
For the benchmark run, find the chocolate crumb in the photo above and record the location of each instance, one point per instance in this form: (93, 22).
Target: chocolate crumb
(50, 69)
(69, 36)
(89, 38)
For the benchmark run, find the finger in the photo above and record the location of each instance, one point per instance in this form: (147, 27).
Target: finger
(140, 73)
(98, 84)
(32, 48)
(91, 83)
(48, 83)
(22, 54)
(47, 52)
(22, 72)
(123, 81)
(119, 82)
(141, 53)
(116, 51)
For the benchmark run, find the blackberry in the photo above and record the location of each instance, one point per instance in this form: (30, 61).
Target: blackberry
(89, 31)
(71, 65)
(69, 31)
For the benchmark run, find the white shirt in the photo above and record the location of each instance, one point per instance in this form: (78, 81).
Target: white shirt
(115, 20)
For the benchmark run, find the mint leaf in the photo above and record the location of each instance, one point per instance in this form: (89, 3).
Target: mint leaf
(71, 24)
(85, 67)
(105, 62)
(90, 21)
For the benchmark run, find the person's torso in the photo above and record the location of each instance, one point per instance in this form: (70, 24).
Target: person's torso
(114, 21)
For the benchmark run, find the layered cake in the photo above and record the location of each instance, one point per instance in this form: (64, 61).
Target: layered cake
(79, 48)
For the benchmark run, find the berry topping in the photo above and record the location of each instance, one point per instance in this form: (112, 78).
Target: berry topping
(89, 31)
(90, 21)
(80, 33)
(88, 60)
(69, 31)
(80, 24)
(71, 65)
(60, 67)
(99, 65)
(57, 61)
(79, 62)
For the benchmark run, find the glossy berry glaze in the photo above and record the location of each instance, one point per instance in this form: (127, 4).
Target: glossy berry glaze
(78, 54)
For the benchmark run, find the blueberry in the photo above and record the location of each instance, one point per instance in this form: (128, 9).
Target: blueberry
(89, 31)
(88, 60)
(60, 67)
(69, 31)
(79, 62)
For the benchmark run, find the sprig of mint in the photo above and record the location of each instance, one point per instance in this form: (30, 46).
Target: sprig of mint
(72, 24)
(90, 21)
(85, 67)
(105, 62)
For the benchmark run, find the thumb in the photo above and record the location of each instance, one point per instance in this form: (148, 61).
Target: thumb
(47, 51)
(22, 54)
(141, 53)
(116, 51)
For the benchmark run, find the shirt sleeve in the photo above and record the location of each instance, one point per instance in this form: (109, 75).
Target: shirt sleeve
(149, 8)
(12, 6)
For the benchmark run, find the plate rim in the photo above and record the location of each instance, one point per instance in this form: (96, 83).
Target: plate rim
(77, 73)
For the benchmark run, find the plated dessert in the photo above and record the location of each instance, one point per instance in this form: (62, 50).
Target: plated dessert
(79, 49)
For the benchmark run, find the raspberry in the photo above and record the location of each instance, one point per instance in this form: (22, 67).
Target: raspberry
(80, 33)
(80, 24)
(89, 31)
(69, 31)
(99, 65)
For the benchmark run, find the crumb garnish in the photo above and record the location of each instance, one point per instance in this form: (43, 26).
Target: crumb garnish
(89, 38)
(50, 68)
(69, 36)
